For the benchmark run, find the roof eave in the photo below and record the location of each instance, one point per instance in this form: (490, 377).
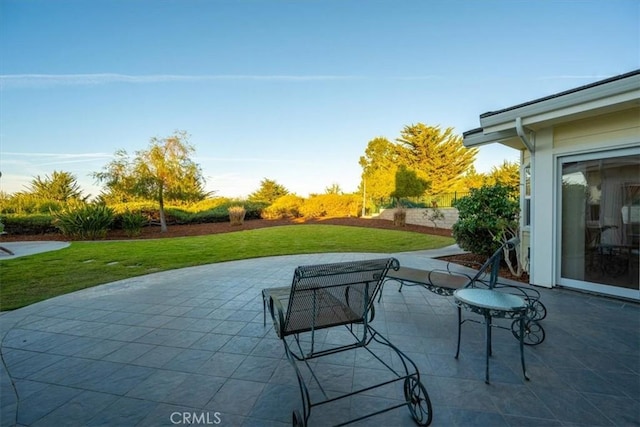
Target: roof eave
(615, 95)
(477, 137)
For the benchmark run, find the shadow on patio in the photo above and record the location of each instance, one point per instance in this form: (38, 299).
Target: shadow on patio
(189, 345)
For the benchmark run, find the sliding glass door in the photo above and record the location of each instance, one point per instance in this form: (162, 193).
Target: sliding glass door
(600, 222)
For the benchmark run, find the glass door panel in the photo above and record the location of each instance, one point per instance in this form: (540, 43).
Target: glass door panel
(600, 209)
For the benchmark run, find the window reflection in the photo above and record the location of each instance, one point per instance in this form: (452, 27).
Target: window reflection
(601, 221)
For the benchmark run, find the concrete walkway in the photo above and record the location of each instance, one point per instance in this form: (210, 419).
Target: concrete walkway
(189, 345)
(20, 249)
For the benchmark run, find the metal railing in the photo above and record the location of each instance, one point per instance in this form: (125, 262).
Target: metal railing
(442, 200)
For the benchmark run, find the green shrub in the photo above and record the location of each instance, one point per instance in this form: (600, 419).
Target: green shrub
(132, 223)
(219, 213)
(434, 215)
(254, 209)
(28, 224)
(284, 207)
(481, 216)
(86, 221)
(25, 204)
(175, 215)
(331, 205)
(142, 207)
(208, 204)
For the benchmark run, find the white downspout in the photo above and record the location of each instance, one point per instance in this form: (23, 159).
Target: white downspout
(530, 146)
(523, 136)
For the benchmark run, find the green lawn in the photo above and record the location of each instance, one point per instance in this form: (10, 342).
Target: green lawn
(26, 280)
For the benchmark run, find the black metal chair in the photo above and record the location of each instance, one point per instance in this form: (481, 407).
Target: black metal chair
(333, 295)
(446, 281)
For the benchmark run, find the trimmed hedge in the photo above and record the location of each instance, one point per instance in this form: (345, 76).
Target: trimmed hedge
(332, 205)
(284, 207)
(215, 210)
(28, 224)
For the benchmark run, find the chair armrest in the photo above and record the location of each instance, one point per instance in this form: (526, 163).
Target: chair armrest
(524, 291)
(481, 283)
(277, 315)
(448, 278)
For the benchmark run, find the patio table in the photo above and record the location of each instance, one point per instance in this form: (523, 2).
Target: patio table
(492, 304)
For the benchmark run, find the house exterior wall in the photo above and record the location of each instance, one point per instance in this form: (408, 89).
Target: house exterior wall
(609, 130)
(541, 270)
(605, 132)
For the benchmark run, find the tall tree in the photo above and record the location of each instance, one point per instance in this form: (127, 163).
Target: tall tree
(61, 187)
(164, 171)
(408, 184)
(268, 192)
(437, 156)
(333, 189)
(379, 165)
(508, 173)
(471, 179)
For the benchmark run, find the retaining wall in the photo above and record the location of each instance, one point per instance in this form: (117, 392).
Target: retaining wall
(419, 216)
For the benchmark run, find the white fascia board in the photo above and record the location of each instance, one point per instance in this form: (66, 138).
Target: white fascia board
(581, 102)
(587, 109)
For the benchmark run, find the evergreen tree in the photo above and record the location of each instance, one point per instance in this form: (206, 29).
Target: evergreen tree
(268, 192)
(438, 156)
(508, 173)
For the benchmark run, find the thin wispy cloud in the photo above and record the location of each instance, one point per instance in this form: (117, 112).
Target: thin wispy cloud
(203, 159)
(15, 81)
(48, 159)
(57, 155)
(9, 81)
(574, 77)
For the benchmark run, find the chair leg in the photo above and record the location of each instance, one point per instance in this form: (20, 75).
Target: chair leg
(490, 334)
(524, 370)
(459, 330)
(487, 321)
(264, 311)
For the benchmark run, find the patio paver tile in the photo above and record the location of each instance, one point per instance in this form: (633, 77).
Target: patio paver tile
(192, 342)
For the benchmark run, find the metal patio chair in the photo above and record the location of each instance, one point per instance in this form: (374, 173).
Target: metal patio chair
(446, 282)
(340, 295)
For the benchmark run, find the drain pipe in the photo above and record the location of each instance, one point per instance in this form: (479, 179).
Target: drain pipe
(522, 135)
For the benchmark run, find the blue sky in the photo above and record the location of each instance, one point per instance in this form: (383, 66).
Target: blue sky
(285, 90)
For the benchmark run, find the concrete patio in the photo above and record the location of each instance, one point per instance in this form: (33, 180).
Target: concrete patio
(153, 350)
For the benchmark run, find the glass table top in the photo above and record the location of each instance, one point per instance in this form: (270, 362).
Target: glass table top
(490, 299)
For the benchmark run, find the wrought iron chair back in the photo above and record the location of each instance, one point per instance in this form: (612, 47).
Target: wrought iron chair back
(328, 295)
(492, 266)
